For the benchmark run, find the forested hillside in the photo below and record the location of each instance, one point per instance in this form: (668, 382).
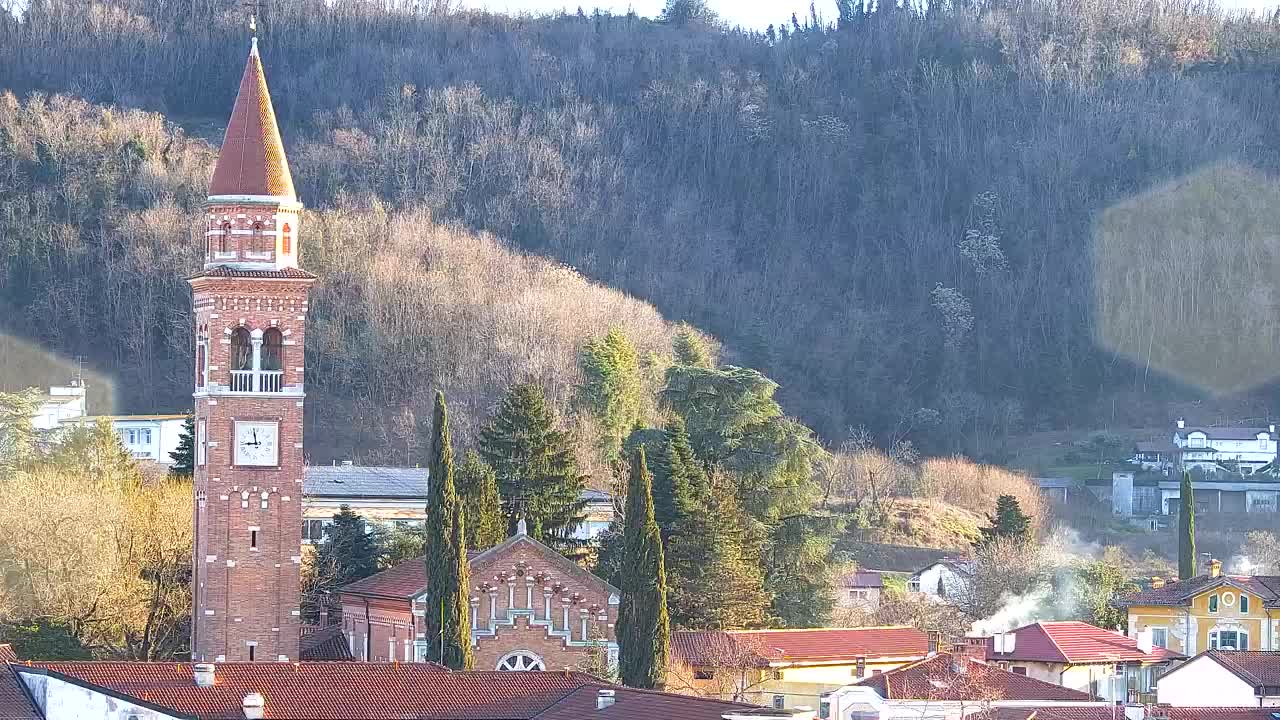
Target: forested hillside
(893, 217)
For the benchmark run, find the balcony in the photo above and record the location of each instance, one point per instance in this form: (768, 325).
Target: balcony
(267, 381)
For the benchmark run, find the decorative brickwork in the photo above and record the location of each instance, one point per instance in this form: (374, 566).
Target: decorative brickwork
(250, 310)
(527, 600)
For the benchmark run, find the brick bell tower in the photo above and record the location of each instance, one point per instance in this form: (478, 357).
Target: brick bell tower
(250, 310)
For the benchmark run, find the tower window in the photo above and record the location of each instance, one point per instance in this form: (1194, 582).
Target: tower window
(253, 539)
(252, 653)
(286, 239)
(224, 238)
(241, 350)
(273, 349)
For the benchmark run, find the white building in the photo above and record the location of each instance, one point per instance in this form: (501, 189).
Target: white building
(946, 580)
(60, 403)
(1215, 449)
(147, 437)
(1232, 678)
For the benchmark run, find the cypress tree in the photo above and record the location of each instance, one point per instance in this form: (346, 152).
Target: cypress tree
(537, 473)
(1186, 529)
(481, 503)
(446, 625)
(643, 627)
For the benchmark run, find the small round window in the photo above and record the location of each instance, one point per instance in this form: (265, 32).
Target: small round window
(1228, 598)
(520, 661)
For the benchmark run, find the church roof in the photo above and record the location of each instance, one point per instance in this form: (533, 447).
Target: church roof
(252, 160)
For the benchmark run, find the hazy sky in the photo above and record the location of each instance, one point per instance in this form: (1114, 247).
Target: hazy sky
(749, 13)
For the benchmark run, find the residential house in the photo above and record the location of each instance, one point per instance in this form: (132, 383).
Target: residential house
(1214, 449)
(1080, 656)
(1224, 492)
(1212, 611)
(945, 686)
(1240, 678)
(531, 609)
(859, 591)
(397, 496)
(1155, 455)
(148, 438)
(60, 403)
(352, 691)
(786, 668)
(946, 580)
(893, 560)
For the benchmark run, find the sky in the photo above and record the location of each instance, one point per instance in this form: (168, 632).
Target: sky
(748, 13)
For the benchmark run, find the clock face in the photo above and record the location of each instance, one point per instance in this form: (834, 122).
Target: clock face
(256, 444)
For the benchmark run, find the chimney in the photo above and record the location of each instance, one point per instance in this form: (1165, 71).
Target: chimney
(1135, 712)
(605, 699)
(324, 613)
(1271, 428)
(1146, 641)
(1004, 642)
(205, 674)
(1157, 583)
(254, 706)
(1215, 568)
(1182, 424)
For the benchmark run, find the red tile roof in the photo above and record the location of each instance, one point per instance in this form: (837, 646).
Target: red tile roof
(780, 647)
(1075, 642)
(377, 691)
(632, 704)
(7, 654)
(327, 643)
(1180, 593)
(15, 704)
(332, 690)
(1259, 668)
(938, 679)
(252, 160)
(222, 271)
(1109, 712)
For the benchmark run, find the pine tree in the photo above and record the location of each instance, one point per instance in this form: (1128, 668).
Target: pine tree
(689, 349)
(643, 628)
(1008, 522)
(184, 458)
(349, 552)
(1186, 528)
(481, 503)
(536, 470)
(611, 390)
(446, 624)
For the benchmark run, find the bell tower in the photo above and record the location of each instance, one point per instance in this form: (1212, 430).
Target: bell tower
(250, 310)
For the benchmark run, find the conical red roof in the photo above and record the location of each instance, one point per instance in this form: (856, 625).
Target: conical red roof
(252, 160)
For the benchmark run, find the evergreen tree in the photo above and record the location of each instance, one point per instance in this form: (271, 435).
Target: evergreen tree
(611, 390)
(481, 503)
(349, 552)
(446, 624)
(43, 639)
(1186, 528)
(1008, 522)
(17, 431)
(690, 349)
(184, 458)
(800, 568)
(536, 470)
(689, 12)
(643, 628)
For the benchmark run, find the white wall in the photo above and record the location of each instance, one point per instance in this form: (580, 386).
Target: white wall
(61, 700)
(940, 581)
(1202, 681)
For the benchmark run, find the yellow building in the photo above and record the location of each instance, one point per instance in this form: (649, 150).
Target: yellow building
(1209, 612)
(786, 668)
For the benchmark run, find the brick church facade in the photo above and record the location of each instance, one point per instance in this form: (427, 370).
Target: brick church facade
(249, 310)
(531, 609)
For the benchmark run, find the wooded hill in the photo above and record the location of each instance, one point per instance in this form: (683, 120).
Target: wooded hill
(893, 217)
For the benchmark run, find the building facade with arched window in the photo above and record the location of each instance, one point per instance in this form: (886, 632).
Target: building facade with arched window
(531, 609)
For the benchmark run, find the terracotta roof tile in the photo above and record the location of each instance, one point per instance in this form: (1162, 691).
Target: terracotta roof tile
(937, 679)
(7, 654)
(252, 160)
(1109, 712)
(711, 647)
(223, 271)
(1075, 642)
(632, 704)
(15, 704)
(333, 690)
(1180, 593)
(327, 643)
(1261, 668)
